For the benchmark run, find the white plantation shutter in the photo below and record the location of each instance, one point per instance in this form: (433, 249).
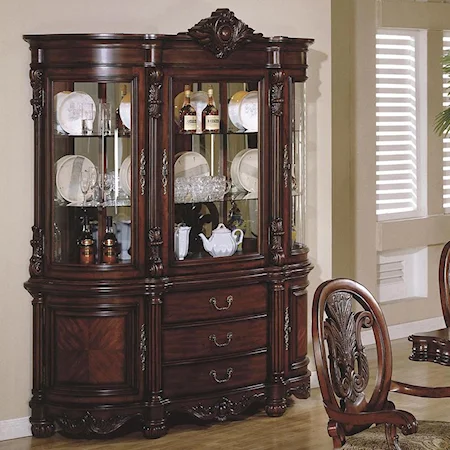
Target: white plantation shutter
(446, 140)
(396, 158)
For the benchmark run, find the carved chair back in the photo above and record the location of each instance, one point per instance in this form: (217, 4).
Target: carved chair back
(444, 282)
(341, 310)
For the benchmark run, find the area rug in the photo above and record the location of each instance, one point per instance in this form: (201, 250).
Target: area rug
(430, 436)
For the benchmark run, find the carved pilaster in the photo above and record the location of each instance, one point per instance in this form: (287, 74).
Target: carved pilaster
(164, 171)
(154, 93)
(286, 166)
(222, 33)
(143, 348)
(37, 102)
(276, 92)
(142, 164)
(277, 255)
(155, 243)
(36, 260)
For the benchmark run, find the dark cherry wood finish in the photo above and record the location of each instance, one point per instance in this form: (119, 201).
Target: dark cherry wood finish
(434, 345)
(343, 369)
(127, 345)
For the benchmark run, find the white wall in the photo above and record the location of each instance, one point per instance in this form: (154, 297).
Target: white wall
(308, 18)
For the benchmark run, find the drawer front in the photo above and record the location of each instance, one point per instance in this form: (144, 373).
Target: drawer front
(213, 340)
(213, 304)
(224, 374)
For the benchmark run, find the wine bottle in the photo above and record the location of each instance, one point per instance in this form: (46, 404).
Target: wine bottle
(110, 245)
(188, 114)
(210, 115)
(86, 243)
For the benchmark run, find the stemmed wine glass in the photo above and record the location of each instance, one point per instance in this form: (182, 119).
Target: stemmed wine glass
(88, 178)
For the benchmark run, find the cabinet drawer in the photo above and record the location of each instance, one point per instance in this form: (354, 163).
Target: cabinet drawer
(223, 374)
(213, 340)
(214, 303)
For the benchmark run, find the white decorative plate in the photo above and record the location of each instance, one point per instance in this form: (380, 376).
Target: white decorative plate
(248, 170)
(233, 108)
(68, 169)
(125, 110)
(57, 100)
(248, 111)
(68, 114)
(125, 175)
(244, 170)
(191, 164)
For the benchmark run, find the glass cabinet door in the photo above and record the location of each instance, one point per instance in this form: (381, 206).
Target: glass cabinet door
(91, 186)
(298, 166)
(216, 157)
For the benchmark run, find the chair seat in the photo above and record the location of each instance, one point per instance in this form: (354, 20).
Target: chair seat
(431, 435)
(433, 346)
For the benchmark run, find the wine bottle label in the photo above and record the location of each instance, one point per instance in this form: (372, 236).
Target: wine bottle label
(212, 123)
(87, 254)
(109, 255)
(190, 123)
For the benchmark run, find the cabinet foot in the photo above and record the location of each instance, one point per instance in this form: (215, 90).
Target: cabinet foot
(154, 431)
(276, 410)
(42, 429)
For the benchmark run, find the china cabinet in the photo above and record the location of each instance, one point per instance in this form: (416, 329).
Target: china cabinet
(169, 268)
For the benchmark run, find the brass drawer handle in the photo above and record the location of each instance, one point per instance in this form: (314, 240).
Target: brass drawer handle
(212, 337)
(213, 374)
(213, 302)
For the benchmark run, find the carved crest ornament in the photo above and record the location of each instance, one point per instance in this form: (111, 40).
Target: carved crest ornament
(222, 33)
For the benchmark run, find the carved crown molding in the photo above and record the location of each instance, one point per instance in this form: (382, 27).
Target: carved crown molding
(222, 33)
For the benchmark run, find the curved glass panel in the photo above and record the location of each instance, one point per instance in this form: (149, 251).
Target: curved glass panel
(92, 151)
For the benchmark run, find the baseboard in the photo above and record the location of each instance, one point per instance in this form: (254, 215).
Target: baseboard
(399, 331)
(15, 428)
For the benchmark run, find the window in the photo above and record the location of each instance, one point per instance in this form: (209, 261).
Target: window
(396, 143)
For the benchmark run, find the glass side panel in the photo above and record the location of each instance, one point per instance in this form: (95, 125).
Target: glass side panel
(298, 165)
(92, 150)
(216, 169)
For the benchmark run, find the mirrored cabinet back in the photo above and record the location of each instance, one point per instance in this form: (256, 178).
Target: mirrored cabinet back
(169, 267)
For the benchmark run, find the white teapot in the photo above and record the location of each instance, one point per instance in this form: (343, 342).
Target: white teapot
(222, 242)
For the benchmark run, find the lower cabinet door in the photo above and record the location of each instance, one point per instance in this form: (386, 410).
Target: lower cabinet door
(95, 349)
(296, 331)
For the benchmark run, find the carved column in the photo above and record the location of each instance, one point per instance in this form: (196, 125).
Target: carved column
(278, 139)
(276, 391)
(154, 425)
(40, 425)
(38, 102)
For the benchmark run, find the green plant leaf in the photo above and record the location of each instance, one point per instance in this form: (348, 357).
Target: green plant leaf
(442, 120)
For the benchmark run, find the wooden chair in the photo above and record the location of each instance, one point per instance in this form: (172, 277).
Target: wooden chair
(444, 283)
(434, 346)
(343, 369)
